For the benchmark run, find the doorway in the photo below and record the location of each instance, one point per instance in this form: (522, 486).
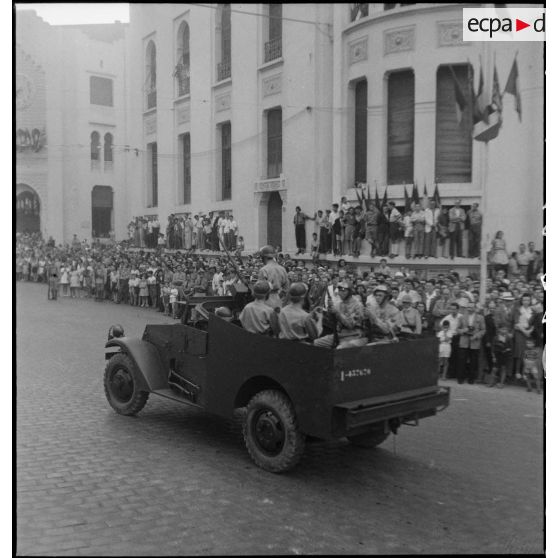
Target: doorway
(28, 211)
(275, 220)
(101, 212)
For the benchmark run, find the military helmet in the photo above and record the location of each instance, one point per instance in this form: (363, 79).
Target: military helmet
(267, 252)
(297, 290)
(262, 288)
(223, 312)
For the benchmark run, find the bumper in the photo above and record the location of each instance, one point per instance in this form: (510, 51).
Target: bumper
(356, 416)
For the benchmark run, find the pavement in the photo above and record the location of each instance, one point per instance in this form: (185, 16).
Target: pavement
(176, 481)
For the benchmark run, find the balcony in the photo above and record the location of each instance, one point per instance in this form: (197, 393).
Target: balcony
(223, 70)
(95, 165)
(108, 166)
(273, 50)
(152, 99)
(182, 74)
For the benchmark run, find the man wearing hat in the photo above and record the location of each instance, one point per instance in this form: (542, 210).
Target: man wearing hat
(470, 328)
(257, 316)
(276, 275)
(294, 322)
(381, 312)
(456, 224)
(408, 290)
(349, 316)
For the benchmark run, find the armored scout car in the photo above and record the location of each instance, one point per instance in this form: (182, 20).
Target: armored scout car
(290, 390)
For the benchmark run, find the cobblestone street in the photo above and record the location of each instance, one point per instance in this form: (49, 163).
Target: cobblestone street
(176, 481)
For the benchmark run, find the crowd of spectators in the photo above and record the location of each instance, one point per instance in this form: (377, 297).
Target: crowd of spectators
(495, 343)
(419, 230)
(209, 232)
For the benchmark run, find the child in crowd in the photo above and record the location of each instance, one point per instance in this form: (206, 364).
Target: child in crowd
(502, 353)
(173, 299)
(165, 297)
(444, 335)
(314, 245)
(143, 292)
(531, 357)
(132, 284)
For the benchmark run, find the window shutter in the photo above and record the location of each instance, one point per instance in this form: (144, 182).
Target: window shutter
(275, 14)
(187, 168)
(401, 127)
(361, 130)
(454, 145)
(274, 142)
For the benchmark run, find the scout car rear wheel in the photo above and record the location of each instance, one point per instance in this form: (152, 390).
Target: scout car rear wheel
(121, 385)
(369, 439)
(271, 432)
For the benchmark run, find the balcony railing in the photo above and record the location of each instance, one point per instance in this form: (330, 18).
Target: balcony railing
(152, 99)
(223, 70)
(108, 166)
(95, 164)
(273, 49)
(182, 74)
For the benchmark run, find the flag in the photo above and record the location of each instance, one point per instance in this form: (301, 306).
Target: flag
(425, 192)
(496, 101)
(359, 198)
(407, 200)
(512, 86)
(478, 109)
(385, 200)
(369, 198)
(377, 198)
(437, 198)
(460, 100)
(493, 112)
(415, 194)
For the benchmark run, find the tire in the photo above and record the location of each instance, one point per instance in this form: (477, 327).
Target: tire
(369, 439)
(121, 385)
(271, 432)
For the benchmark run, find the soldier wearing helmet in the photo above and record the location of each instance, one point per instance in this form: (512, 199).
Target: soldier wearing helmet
(348, 314)
(276, 275)
(381, 312)
(295, 322)
(257, 316)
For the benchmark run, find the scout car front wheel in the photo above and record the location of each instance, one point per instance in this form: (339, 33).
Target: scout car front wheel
(271, 432)
(121, 385)
(369, 439)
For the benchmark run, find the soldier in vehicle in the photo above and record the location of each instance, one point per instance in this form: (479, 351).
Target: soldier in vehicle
(276, 275)
(348, 315)
(295, 322)
(257, 316)
(381, 312)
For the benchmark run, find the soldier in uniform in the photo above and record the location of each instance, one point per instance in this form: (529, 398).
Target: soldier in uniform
(276, 275)
(381, 312)
(257, 316)
(348, 314)
(295, 322)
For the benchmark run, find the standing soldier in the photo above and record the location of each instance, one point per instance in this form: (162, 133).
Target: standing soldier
(276, 275)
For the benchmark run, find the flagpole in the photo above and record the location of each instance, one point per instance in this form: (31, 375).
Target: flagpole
(485, 239)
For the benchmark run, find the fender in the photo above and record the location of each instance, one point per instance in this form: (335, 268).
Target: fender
(153, 374)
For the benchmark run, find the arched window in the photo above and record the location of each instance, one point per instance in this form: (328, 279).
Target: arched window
(182, 70)
(108, 151)
(151, 75)
(95, 149)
